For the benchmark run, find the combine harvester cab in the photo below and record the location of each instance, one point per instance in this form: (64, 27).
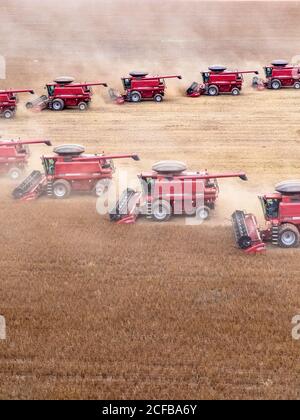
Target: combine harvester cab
(168, 190)
(70, 170)
(14, 156)
(218, 80)
(9, 101)
(139, 86)
(282, 215)
(279, 75)
(65, 93)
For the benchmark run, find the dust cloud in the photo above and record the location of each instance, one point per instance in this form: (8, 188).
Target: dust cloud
(93, 39)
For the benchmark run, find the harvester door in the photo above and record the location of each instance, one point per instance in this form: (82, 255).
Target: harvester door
(50, 90)
(148, 186)
(45, 165)
(49, 165)
(269, 71)
(272, 208)
(127, 83)
(206, 77)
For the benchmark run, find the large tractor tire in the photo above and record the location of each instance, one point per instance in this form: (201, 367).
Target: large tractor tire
(135, 97)
(58, 105)
(213, 90)
(276, 84)
(289, 236)
(161, 211)
(61, 189)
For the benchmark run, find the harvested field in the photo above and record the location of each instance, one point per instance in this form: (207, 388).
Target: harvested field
(94, 310)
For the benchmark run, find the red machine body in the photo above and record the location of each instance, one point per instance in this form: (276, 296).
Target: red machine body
(64, 93)
(140, 87)
(279, 75)
(9, 101)
(69, 170)
(14, 156)
(218, 80)
(282, 214)
(164, 194)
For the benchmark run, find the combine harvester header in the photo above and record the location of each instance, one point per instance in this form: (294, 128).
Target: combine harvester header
(218, 80)
(282, 214)
(139, 86)
(65, 93)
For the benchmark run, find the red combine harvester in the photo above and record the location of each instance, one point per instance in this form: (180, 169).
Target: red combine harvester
(219, 81)
(282, 214)
(279, 75)
(140, 87)
(9, 100)
(170, 190)
(70, 170)
(64, 93)
(14, 156)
